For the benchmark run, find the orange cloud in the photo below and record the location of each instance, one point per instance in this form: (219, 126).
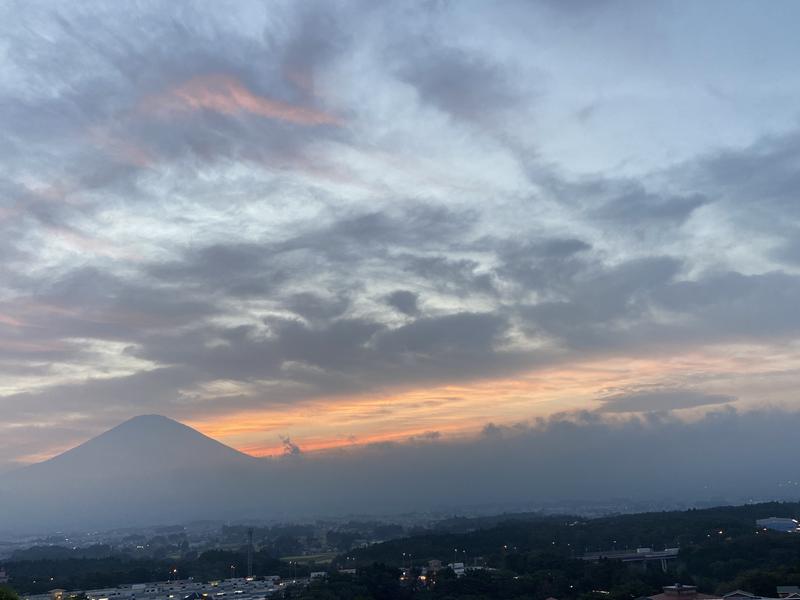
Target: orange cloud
(462, 409)
(226, 95)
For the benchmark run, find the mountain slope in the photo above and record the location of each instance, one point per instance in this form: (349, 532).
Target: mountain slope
(146, 443)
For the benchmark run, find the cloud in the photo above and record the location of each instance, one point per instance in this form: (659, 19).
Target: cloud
(226, 95)
(449, 275)
(581, 456)
(316, 307)
(461, 83)
(221, 210)
(763, 172)
(290, 448)
(660, 400)
(404, 301)
(427, 436)
(238, 269)
(636, 206)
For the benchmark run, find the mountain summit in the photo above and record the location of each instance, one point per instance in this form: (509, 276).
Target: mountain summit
(145, 444)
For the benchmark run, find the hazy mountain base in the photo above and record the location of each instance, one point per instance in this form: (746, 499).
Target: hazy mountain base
(155, 470)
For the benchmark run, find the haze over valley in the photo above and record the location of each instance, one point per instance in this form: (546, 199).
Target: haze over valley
(152, 470)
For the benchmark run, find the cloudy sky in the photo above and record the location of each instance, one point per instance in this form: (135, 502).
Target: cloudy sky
(352, 222)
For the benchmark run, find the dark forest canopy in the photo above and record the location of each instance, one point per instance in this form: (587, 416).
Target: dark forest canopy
(528, 556)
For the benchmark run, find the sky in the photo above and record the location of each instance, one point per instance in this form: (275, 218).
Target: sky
(309, 226)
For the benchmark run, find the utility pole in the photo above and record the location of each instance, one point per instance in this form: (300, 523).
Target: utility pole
(250, 552)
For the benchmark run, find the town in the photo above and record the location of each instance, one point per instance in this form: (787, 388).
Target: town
(727, 553)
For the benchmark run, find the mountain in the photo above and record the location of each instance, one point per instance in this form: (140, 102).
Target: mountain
(149, 469)
(152, 470)
(145, 444)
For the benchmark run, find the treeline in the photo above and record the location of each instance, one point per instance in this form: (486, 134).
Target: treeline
(382, 582)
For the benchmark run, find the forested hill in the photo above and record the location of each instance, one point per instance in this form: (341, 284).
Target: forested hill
(572, 536)
(720, 550)
(528, 556)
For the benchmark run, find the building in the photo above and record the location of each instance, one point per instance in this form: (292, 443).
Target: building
(187, 589)
(740, 595)
(640, 555)
(689, 592)
(783, 524)
(680, 592)
(788, 591)
(458, 568)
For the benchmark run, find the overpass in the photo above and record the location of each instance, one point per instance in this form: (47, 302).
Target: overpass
(640, 555)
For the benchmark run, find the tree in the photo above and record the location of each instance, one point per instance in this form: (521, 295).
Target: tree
(7, 593)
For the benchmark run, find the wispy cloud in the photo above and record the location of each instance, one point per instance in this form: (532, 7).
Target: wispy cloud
(227, 95)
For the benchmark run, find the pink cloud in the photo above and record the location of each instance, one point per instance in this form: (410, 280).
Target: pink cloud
(226, 95)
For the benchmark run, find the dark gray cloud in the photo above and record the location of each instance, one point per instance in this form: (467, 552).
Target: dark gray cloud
(108, 400)
(235, 269)
(404, 301)
(734, 305)
(626, 203)
(459, 82)
(549, 265)
(762, 176)
(462, 333)
(789, 251)
(427, 436)
(343, 355)
(599, 303)
(449, 275)
(636, 206)
(315, 307)
(290, 448)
